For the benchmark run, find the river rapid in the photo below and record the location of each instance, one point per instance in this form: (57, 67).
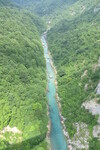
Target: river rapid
(57, 137)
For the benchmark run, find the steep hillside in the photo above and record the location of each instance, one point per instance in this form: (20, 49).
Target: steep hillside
(5, 3)
(74, 43)
(43, 8)
(72, 11)
(23, 104)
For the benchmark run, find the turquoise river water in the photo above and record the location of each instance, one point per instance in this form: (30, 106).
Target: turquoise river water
(57, 138)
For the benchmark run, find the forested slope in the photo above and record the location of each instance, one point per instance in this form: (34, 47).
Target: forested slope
(74, 42)
(23, 104)
(43, 7)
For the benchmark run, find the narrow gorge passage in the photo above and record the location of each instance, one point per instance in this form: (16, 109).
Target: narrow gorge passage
(57, 138)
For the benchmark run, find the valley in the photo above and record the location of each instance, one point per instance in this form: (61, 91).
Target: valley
(56, 134)
(73, 40)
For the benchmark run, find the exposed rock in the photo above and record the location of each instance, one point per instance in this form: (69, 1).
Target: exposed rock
(86, 87)
(96, 131)
(81, 138)
(12, 132)
(70, 147)
(99, 120)
(9, 129)
(92, 106)
(98, 88)
(48, 133)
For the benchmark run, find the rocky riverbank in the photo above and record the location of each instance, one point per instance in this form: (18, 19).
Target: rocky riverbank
(59, 105)
(49, 60)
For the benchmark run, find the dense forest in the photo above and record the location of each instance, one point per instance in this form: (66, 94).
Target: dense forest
(75, 46)
(23, 104)
(74, 42)
(43, 7)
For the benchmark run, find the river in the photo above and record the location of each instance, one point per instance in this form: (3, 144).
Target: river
(57, 137)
